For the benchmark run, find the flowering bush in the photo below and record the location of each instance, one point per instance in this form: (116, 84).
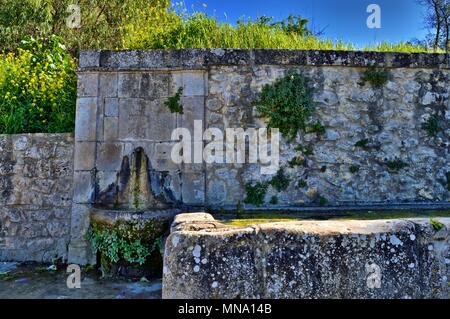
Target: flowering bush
(37, 88)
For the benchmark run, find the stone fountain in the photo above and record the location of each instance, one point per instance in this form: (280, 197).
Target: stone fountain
(131, 208)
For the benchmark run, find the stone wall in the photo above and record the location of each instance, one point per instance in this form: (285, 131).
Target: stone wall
(307, 259)
(35, 196)
(124, 92)
(120, 110)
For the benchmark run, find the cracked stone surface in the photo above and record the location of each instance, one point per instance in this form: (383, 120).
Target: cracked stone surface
(307, 259)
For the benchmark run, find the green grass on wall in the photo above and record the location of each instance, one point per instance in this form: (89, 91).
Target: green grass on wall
(201, 31)
(37, 78)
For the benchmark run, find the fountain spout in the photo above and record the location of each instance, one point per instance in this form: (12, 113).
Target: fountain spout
(133, 190)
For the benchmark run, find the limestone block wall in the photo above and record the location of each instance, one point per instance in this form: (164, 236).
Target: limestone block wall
(36, 172)
(399, 259)
(123, 93)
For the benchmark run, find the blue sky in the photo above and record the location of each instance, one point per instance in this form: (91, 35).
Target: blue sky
(401, 20)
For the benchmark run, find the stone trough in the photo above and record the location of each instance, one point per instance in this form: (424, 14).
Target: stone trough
(407, 258)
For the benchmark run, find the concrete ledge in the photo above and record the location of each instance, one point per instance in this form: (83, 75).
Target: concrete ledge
(203, 58)
(307, 259)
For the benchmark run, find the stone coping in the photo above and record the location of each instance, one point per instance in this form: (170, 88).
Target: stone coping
(37, 135)
(112, 216)
(352, 259)
(205, 224)
(108, 60)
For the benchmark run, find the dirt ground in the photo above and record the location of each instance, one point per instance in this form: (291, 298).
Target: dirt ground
(40, 281)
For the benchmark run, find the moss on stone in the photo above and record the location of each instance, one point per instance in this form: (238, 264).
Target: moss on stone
(249, 218)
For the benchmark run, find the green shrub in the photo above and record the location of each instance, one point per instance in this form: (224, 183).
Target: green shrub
(109, 24)
(317, 128)
(437, 225)
(274, 200)
(321, 200)
(154, 24)
(376, 77)
(362, 143)
(302, 184)
(432, 125)
(287, 104)
(396, 164)
(305, 150)
(198, 30)
(174, 102)
(37, 88)
(354, 169)
(297, 161)
(115, 248)
(280, 181)
(126, 241)
(255, 194)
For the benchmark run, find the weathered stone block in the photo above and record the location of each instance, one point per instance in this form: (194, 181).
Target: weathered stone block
(193, 110)
(129, 84)
(80, 222)
(111, 107)
(36, 194)
(79, 251)
(83, 187)
(87, 85)
(129, 59)
(162, 159)
(160, 122)
(111, 129)
(20, 142)
(89, 59)
(193, 83)
(131, 126)
(84, 156)
(109, 157)
(154, 85)
(383, 259)
(86, 114)
(108, 84)
(193, 188)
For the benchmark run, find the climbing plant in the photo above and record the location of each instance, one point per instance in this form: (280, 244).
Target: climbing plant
(287, 104)
(280, 181)
(123, 242)
(174, 102)
(375, 76)
(432, 125)
(354, 169)
(437, 225)
(396, 164)
(362, 143)
(256, 193)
